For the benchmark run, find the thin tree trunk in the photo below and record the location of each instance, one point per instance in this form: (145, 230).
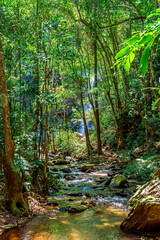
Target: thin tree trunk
(34, 173)
(99, 149)
(46, 122)
(37, 88)
(88, 143)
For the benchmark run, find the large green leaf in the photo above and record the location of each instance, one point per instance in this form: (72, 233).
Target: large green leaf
(122, 52)
(128, 65)
(144, 60)
(131, 57)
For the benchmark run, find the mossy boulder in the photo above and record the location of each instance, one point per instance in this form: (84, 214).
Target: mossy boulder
(145, 214)
(61, 161)
(118, 181)
(77, 208)
(87, 167)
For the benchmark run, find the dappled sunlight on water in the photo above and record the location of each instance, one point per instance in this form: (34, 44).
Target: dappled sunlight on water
(100, 223)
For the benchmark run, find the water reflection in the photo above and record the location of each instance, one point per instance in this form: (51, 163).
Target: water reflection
(101, 223)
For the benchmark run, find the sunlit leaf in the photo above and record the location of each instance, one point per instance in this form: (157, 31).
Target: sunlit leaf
(144, 60)
(127, 65)
(131, 56)
(122, 52)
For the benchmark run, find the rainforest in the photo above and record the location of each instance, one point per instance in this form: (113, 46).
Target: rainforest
(79, 119)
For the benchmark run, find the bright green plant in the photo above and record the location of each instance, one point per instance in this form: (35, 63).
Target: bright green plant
(140, 40)
(69, 142)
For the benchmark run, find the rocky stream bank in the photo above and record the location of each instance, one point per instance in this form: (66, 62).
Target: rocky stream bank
(91, 190)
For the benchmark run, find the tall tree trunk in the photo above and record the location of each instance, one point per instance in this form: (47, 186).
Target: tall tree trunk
(99, 149)
(37, 87)
(46, 122)
(14, 185)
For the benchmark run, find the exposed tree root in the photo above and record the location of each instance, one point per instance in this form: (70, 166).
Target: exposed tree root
(18, 206)
(16, 199)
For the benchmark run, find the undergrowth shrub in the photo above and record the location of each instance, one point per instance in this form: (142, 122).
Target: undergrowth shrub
(142, 169)
(69, 142)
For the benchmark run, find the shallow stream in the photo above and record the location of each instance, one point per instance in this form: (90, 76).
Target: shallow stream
(101, 222)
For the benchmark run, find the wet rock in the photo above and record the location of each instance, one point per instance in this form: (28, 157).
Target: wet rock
(118, 181)
(75, 194)
(61, 161)
(145, 214)
(89, 171)
(54, 169)
(70, 200)
(77, 208)
(69, 177)
(63, 209)
(87, 167)
(66, 170)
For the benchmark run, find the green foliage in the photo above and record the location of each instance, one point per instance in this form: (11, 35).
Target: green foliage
(141, 169)
(69, 142)
(141, 40)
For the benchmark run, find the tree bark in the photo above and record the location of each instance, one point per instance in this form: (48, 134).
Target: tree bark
(99, 149)
(88, 143)
(15, 192)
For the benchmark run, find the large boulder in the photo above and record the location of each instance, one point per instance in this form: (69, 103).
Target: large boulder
(145, 214)
(118, 181)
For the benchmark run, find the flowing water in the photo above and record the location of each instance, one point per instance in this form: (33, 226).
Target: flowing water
(98, 223)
